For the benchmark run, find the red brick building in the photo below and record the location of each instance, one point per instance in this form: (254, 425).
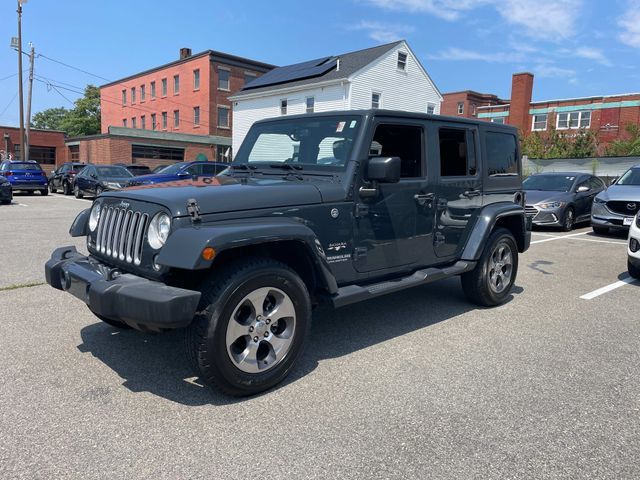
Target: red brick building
(46, 146)
(605, 115)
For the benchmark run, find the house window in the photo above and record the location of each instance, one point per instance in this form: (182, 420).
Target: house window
(74, 150)
(124, 122)
(143, 122)
(223, 117)
(311, 103)
(248, 76)
(499, 120)
(133, 122)
(164, 87)
(376, 100)
(539, 122)
(431, 108)
(153, 90)
(568, 120)
(223, 79)
(460, 108)
(143, 93)
(283, 107)
(133, 94)
(124, 97)
(196, 116)
(176, 84)
(402, 61)
(164, 120)
(223, 153)
(196, 79)
(153, 121)
(176, 119)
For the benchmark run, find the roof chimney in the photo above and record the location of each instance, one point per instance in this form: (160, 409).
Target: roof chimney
(185, 53)
(521, 92)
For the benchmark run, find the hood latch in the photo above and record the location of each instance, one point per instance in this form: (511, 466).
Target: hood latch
(193, 210)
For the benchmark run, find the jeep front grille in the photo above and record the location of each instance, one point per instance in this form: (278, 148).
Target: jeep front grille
(121, 234)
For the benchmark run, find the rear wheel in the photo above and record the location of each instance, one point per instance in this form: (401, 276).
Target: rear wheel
(490, 282)
(52, 189)
(44, 192)
(66, 188)
(569, 220)
(77, 192)
(254, 318)
(600, 230)
(633, 270)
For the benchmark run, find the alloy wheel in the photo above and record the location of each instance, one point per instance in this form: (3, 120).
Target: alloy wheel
(500, 268)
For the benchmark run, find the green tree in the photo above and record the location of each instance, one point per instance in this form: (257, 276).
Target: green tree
(50, 119)
(627, 146)
(554, 144)
(84, 117)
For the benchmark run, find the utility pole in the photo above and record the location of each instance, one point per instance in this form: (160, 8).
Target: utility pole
(20, 2)
(28, 127)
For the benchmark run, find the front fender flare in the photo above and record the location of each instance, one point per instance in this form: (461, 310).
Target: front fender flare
(80, 226)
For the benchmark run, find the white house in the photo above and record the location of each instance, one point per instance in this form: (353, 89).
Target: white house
(388, 76)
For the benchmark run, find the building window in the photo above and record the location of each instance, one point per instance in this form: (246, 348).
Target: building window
(164, 87)
(164, 120)
(176, 84)
(153, 90)
(568, 120)
(153, 121)
(74, 152)
(143, 93)
(223, 79)
(223, 117)
(196, 116)
(124, 97)
(176, 119)
(402, 61)
(248, 76)
(157, 153)
(143, 122)
(431, 108)
(133, 94)
(196, 79)
(311, 103)
(539, 122)
(223, 153)
(124, 122)
(133, 122)
(460, 108)
(43, 155)
(376, 100)
(499, 120)
(283, 107)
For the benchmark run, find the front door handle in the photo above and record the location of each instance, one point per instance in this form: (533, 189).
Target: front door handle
(423, 199)
(472, 193)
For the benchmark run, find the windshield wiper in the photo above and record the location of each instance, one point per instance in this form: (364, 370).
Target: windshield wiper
(285, 166)
(242, 166)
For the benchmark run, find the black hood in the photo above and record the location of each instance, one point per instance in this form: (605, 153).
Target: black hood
(225, 194)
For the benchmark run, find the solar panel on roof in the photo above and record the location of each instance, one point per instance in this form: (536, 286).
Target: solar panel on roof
(298, 71)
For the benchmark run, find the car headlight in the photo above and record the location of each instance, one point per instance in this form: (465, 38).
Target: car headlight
(94, 216)
(112, 185)
(159, 230)
(546, 206)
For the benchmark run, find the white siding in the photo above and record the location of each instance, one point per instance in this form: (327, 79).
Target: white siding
(408, 90)
(247, 112)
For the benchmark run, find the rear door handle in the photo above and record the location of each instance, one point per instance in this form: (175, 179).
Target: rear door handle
(472, 193)
(423, 199)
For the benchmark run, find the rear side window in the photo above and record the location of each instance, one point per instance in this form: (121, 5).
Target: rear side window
(404, 141)
(595, 183)
(502, 154)
(455, 157)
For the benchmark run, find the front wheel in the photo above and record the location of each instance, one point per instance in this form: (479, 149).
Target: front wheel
(633, 270)
(77, 192)
(66, 188)
(490, 282)
(569, 220)
(254, 318)
(44, 192)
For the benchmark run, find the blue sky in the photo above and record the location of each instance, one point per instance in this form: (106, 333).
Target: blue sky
(574, 47)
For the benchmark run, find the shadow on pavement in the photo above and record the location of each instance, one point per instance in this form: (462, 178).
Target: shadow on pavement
(157, 363)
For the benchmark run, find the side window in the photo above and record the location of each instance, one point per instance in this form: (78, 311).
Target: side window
(193, 170)
(583, 183)
(595, 183)
(502, 154)
(404, 141)
(456, 159)
(208, 169)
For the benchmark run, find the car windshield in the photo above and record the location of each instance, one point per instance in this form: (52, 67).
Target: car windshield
(24, 166)
(113, 172)
(551, 183)
(172, 169)
(631, 177)
(76, 167)
(314, 142)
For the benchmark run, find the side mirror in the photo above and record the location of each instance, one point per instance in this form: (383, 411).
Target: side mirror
(184, 174)
(583, 189)
(383, 169)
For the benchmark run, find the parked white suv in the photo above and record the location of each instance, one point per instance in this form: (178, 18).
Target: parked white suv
(633, 248)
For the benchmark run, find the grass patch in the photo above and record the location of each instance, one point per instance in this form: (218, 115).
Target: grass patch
(22, 285)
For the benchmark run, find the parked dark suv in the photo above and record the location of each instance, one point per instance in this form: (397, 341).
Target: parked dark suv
(338, 207)
(63, 177)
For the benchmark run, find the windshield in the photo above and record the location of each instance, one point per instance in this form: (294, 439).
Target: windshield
(171, 169)
(113, 172)
(24, 166)
(550, 183)
(631, 177)
(315, 142)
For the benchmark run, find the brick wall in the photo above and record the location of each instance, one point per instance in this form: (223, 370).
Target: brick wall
(40, 138)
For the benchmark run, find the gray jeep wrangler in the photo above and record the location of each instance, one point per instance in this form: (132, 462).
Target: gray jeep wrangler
(338, 207)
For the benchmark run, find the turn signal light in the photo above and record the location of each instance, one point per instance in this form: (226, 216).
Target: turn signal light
(208, 253)
(634, 245)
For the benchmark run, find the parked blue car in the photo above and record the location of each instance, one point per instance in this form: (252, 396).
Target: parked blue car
(180, 171)
(25, 175)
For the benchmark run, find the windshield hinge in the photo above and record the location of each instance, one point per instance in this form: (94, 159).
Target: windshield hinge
(193, 210)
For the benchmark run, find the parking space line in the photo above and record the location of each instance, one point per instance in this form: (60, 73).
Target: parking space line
(551, 239)
(608, 288)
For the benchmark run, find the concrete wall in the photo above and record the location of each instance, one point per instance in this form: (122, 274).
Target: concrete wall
(603, 166)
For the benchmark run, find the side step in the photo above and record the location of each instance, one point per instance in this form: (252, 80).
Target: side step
(357, 293)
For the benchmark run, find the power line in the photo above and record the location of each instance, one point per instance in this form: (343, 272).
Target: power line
(9, 104)
(74, 68)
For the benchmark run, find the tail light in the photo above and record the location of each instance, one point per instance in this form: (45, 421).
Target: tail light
(7, 174)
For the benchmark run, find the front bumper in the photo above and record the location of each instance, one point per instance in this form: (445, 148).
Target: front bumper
(140, 303)
(634, 234)
(547, 217)
(601, 216)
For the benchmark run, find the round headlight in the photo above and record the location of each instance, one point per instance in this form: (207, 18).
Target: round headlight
(159, 230)
(94, 216)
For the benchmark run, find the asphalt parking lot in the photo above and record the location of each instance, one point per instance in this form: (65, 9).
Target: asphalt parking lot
(418, 384)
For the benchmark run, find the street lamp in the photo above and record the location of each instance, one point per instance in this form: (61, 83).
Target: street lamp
(20, 3)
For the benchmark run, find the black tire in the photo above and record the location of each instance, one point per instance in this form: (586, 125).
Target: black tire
(569, 219)
(44, 192)
(476, 283)
(52, 189)
(224, 292)
(77, 192)
(113, 323)
(633, 270)
(6, 202)
(30, 192)
(66, 188)
(600, 230)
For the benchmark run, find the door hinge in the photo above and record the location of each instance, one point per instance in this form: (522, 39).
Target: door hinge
(362, 210)
(359, 252)
(193, 210)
